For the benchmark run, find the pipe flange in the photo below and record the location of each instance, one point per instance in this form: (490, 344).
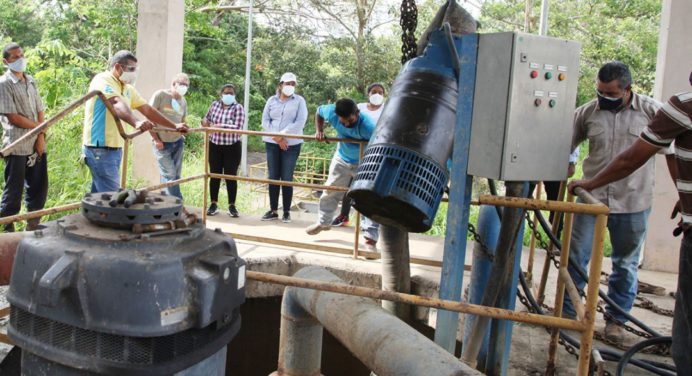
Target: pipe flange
(125, 208)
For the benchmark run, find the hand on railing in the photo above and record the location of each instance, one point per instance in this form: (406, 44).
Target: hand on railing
(319, 136)
(578, 188)
(205, 123)
(144, 125)
(182, 128)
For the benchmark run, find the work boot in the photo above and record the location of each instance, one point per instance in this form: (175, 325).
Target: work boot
(316, 228)
(613, 332)
(286, 218)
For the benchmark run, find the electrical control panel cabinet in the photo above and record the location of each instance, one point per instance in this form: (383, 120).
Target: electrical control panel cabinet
(525, 94)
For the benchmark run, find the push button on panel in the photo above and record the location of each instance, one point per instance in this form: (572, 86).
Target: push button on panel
(561, 77)
(534, 74)
(552, 103)
(548, 75)
(537, 102)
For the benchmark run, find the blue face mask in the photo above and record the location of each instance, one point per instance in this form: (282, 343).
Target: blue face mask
(228, 99)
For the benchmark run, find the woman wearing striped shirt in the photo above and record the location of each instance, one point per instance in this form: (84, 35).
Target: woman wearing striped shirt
(225, 149)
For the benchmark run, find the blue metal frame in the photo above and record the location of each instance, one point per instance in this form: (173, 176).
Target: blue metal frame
(459, 196)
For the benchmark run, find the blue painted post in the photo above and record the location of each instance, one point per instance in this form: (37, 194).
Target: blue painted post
(459, 197)
(501, 330)
(488, 228)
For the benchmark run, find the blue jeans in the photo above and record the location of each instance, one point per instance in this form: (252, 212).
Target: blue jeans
(280, 165)
(170, 160)
(627, 232)
(104, 165)
(682, 321)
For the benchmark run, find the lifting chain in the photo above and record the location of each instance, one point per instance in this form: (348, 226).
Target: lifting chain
(651, 306)
(646, 303)
(484, 248)
(541, 242)
(408, 23)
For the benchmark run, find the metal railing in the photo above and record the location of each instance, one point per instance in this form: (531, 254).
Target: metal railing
(584, 323)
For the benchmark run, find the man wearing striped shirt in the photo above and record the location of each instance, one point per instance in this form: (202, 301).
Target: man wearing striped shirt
(673, 123)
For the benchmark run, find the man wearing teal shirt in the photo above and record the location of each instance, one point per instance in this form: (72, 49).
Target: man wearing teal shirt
(348, 122)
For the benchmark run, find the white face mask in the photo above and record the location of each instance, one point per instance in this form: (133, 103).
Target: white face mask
(376, 99)
(288, 90)
(18, 65)
(128, 77)
(181, 89)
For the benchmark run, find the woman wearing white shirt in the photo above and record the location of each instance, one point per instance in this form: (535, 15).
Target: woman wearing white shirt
(284, 113)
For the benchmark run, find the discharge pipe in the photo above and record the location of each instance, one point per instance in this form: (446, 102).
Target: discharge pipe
(396, 268)
(385, 344)
(500, 273)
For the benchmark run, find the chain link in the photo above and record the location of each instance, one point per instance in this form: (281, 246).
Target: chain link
(646, 304)
(651, 306)
(541, 242)
(477, 238)
(408, 23)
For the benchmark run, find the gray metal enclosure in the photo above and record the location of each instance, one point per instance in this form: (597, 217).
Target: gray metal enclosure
(523, 107)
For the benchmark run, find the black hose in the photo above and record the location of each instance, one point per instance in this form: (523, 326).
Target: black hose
(638, 347)
(582, 273)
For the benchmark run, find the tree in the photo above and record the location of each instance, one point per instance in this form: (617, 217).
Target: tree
(625, 30)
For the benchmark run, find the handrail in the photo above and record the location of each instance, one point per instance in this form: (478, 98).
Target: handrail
(50, 122)
(258, 133)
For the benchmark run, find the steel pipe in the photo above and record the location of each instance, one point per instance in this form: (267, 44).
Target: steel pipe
(423, 301)
(373, 335)
(396, 268)
(500, 273)
(572, 291)
(268, 134)
(278, 182)
(527, 203)
(300, 340)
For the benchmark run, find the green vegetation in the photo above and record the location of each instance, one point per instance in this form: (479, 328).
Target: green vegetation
(68, 41)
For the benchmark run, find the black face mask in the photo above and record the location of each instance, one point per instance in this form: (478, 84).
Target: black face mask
(605, 103)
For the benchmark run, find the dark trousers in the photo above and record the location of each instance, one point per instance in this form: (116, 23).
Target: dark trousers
(552, 190)
(682, 320)
(224, 159)
(18, 176)
(280, 166)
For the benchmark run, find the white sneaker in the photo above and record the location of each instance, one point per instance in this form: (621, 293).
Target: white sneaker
(316, 228)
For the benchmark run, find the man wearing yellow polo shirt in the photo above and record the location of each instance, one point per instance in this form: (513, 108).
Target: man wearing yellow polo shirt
(101, 140)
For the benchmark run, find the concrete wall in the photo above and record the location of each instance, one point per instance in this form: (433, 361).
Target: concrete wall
(673, 68)
(160, 31)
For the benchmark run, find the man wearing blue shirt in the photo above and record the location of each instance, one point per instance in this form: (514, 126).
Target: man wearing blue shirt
(348, 122)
